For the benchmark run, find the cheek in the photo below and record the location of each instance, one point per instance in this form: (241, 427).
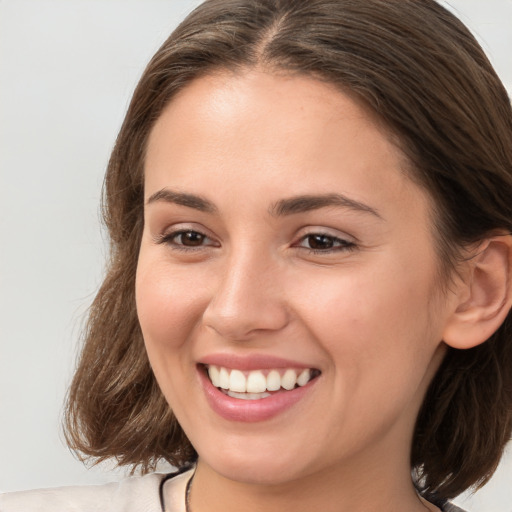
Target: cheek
(376, 320)
(169, 304)
(169, 311)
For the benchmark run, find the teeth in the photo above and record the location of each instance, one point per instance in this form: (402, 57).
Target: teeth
(223, 378)
(303, 378)
(213, 372)
(237, 381)
(247, 396)
(256, 382)
(254, 385)
(273, 381)
(289, 379)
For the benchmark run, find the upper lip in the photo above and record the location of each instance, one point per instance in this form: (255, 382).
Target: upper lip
(251, 362)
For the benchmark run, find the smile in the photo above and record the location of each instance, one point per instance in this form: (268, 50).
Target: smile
(254, 389)
(258, 384)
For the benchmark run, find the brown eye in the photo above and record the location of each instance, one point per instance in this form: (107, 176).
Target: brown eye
(189, 238)
(324, 243)
(186, 240)
(319, 242)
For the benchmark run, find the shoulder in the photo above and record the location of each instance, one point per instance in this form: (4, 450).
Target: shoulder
(136, 494)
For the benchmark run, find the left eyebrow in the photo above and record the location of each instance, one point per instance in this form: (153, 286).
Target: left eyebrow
(306, 203)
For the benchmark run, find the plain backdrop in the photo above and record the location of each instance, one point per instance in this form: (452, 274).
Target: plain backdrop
(67, 70)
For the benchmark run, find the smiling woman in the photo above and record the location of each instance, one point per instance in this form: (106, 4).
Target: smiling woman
(310, 286)
(277, 280)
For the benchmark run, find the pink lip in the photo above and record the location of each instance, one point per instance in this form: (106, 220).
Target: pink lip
(252, 362)
(234, 409)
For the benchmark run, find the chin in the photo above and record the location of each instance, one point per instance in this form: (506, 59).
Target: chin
(266, 466)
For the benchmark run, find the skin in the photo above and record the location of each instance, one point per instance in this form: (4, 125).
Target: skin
(368, 313)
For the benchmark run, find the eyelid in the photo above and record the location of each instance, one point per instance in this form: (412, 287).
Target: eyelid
(343, 241)
(326, 231)
(168, 234)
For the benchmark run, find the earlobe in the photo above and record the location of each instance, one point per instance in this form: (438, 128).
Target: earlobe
(485, 295)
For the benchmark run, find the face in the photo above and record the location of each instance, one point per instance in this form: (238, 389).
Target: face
(287, 280)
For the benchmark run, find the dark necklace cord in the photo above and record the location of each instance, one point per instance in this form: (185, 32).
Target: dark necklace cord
(187, 493)
(183, 469)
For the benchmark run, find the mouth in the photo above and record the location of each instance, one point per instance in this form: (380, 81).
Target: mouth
(257, 384)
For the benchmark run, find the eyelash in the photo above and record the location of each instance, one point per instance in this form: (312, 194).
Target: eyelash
(170, 239)
(342, 244)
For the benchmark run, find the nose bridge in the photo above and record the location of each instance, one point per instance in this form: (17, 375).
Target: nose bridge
(248, 297)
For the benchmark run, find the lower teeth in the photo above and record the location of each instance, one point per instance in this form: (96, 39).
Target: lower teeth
(246, 396)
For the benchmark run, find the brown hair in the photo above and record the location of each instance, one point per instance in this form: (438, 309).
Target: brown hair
(424, 75)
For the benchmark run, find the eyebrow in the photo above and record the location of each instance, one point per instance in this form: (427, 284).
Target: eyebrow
(284, 207)
(306, 203)
(190, 200)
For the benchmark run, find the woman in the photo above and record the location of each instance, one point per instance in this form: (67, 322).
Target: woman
(309, 292)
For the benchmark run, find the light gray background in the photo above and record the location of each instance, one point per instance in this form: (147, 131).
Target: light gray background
(67, 70)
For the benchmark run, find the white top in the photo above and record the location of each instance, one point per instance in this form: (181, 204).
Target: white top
(136, 494)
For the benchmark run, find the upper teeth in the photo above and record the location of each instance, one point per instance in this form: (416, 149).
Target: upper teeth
(256, 381)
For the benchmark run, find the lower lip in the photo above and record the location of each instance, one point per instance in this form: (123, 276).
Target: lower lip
(236, 409)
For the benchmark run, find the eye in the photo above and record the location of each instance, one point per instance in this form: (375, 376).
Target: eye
(185, 239)
(321, 242)
(189, 238)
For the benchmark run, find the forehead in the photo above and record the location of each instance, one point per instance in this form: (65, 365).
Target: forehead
(273, 135)
(255, 110)
(224, 93)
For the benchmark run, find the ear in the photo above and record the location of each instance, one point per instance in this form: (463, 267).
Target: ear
(484, 298)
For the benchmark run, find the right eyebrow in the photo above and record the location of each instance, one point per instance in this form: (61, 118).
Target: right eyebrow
(182, 199)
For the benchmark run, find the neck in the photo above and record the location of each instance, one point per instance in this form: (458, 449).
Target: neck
(332, 490)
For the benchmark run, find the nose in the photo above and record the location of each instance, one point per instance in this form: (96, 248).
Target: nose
(248, 299)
